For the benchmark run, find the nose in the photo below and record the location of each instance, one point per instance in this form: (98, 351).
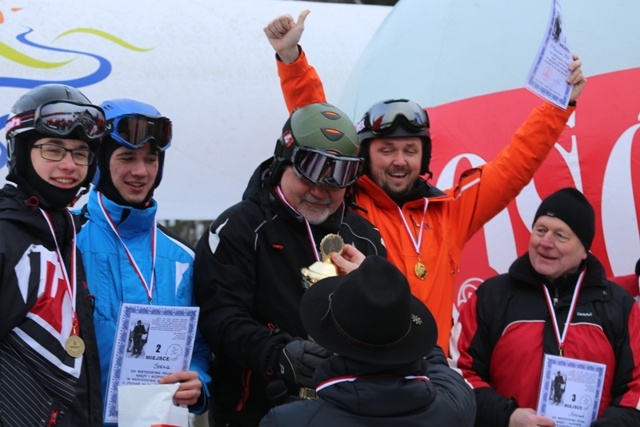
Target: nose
(547, 239)
(399, 159)
(67, 161)
(319, 191)
(138, 168)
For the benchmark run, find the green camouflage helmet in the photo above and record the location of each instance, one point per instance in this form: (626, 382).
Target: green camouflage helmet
(322, 129)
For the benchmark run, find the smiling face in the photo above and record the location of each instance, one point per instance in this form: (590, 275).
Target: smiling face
(65, 173)
(554, 249)
(315, 202)
(394, 163)
(134, 172)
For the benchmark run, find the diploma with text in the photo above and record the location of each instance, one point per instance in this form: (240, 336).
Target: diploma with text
(151, 342)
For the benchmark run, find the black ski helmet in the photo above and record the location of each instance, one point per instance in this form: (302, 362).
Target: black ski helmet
(395, 118)
(70, 115)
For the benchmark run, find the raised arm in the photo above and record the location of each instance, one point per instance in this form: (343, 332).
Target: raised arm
(284, 35)
(300, 82)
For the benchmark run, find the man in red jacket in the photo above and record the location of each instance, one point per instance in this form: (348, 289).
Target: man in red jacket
(554, 301)
(424, 228)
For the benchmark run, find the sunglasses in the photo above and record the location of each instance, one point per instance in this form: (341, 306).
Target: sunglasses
(383, 117)
(62, 118)
(135, 130)
(324, 168)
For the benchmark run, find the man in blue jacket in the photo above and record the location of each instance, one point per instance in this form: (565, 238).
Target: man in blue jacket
(128, 256)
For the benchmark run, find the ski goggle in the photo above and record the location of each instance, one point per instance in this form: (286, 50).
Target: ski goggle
(135, 130)
(384, 116)
(323, 168)
(61, 118)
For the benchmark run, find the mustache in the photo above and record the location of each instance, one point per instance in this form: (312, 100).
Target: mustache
(315, 200)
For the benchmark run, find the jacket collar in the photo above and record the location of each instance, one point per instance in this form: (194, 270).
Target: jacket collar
(368, 394)
(522, 270)
(421, 190)
(128, 220)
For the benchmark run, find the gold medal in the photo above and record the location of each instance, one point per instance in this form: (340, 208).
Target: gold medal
(420, 270)
(331, 243)
(74, 346)
(324, 268)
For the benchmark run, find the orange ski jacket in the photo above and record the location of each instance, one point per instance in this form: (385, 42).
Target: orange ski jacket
(450, 219)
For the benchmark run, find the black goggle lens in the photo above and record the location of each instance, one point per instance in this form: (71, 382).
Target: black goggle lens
(134, 131)
(324, 168)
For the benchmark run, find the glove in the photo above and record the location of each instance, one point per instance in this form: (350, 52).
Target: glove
(298, 360)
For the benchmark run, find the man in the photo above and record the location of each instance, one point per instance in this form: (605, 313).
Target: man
(516, 318)
(138, 331)
(128, 256)
(558, 389)
(379, 334)
(424, 228)
(48, 353)
(248, 279)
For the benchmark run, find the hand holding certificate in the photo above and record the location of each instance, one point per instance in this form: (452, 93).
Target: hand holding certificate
(151, 342)
(549, 72)
(570, 391)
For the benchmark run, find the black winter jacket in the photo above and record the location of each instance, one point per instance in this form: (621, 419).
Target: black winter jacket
(40, 384)
(248, 284)
(381, 399)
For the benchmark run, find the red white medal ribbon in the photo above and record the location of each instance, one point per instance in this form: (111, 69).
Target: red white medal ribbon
(561, 337)
(306, 223)
(416, 242)
(70, 280)
(148, 287)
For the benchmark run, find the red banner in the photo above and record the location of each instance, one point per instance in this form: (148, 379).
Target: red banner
(598, 153)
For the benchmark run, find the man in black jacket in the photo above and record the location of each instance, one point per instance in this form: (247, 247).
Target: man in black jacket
(379, 375)
(247, 273)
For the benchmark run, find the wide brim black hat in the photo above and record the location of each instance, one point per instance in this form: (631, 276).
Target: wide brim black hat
(369, 315)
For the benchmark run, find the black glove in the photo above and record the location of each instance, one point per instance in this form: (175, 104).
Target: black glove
(298, 360)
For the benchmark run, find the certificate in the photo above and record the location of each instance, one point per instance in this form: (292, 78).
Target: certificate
(548, 74)
(151, 342)
(570, 391)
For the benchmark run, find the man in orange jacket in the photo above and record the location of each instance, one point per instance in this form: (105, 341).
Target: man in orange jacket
(424, 228)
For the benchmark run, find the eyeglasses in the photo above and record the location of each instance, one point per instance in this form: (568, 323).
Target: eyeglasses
(135, 130)
(61, 118)
(56, 153)
(383, 117)
(323, 168)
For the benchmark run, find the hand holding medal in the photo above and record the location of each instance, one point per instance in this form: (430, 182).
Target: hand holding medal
(325, 268)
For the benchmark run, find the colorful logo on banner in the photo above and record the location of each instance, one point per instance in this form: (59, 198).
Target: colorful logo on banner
(31, 62)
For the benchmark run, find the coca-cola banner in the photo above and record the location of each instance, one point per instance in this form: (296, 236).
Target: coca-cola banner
(467, 62)
(598, 152)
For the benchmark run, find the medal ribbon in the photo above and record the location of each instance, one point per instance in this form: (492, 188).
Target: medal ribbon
(574, 299)
(306, 223)
(71, 283)
(416, 243)
(132, 261)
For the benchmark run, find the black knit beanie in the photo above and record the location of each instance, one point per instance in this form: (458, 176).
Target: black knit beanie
(570, 206)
